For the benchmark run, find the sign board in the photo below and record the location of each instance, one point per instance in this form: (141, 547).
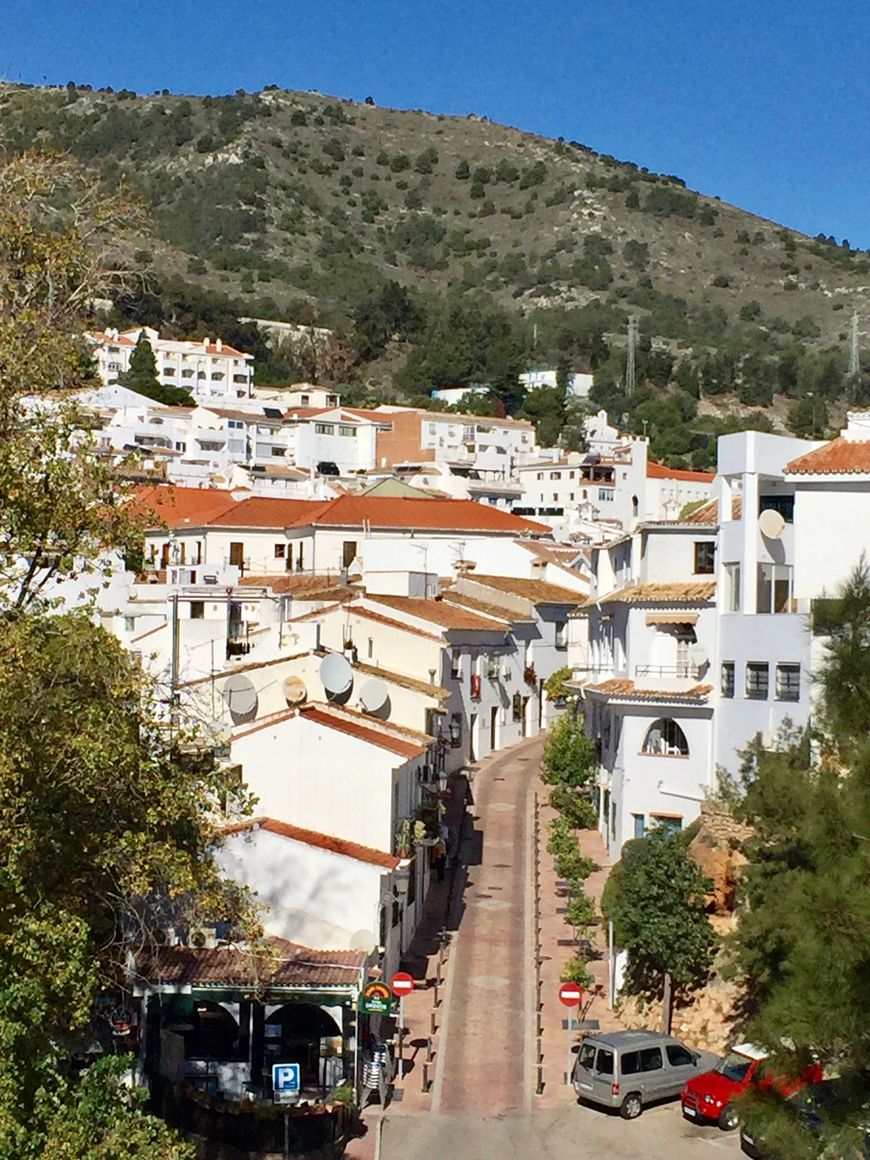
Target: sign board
(286, 1082)
(401, 984)
(376, 999)
(570, 994)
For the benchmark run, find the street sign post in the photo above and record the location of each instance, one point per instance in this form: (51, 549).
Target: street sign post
(401, 984)
(286, 1082)
(571, 996)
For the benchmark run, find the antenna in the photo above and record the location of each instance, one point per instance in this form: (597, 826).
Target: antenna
(854, 355)
(630, 362)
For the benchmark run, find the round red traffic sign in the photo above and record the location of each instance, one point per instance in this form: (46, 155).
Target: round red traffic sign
(401, 984)
(570, 994)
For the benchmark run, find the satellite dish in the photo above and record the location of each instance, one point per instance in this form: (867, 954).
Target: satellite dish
(363, 940)
(240, 697)
(770, 524)
(295, 692)
(698, 655)
(336, 674)
(373, 695)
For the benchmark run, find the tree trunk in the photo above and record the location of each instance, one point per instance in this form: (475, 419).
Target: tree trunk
(667, 1003)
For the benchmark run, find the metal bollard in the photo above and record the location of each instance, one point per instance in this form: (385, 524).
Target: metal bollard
(539, 1090)
(427, 1082)
(435, 994)
(430, 1050)
(432, 1024)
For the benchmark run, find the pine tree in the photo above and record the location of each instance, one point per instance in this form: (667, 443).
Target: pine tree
(142, 376)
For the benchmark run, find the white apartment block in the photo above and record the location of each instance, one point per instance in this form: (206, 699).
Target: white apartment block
(212, 372)
(578, 383)
(491, 445)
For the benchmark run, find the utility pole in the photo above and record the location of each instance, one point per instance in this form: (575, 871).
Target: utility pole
(854, 355)
(630, 361)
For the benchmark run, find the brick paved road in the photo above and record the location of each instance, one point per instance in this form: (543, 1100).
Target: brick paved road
(484, 1055)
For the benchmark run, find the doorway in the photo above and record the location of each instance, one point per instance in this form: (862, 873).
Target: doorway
(472, 737)
(526, 716)
(493, 728)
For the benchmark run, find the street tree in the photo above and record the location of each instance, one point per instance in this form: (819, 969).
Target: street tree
(655, 898)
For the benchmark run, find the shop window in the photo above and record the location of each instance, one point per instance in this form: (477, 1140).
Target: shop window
(665, 738)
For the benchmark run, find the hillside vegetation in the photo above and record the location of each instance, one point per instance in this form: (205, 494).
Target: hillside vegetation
(447, 250)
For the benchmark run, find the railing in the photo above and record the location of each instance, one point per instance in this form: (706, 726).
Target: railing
(685, 671)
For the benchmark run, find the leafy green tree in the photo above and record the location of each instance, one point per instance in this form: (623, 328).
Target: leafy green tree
(636, 254)
(569, 755)
(546, 408)
(655, 897)
(808, 417)
(141, 376)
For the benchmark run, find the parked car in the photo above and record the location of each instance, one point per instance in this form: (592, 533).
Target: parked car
(711, 1096)
(626, 1070)
(811, 1106)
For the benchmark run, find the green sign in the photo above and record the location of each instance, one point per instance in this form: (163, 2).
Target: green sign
(376, 999)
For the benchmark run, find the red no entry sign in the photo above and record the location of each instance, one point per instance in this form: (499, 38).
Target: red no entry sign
(401, 984)
(570, 994)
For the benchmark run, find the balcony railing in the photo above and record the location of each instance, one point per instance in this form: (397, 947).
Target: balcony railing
(684, 671)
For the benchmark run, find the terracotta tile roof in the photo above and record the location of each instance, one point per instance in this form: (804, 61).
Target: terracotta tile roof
(436, 691)
(269, 512)
(177, 506)
(282, 964)
(365, 729)
(390, 622)
(423, 514)
(617, 687)
(437, 612)
(304, 586)
(839, 457)
(708, 513)
(320, 841)
(660, 471)
(245, 416)
(690, 592)
(538, 591)
(503, 615)
(345, 712)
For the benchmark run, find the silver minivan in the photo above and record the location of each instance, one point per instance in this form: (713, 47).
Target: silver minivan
(629, 1069)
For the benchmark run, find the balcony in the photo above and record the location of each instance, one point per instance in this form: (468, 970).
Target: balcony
(681, 672)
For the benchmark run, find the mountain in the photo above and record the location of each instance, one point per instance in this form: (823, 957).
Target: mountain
(307, 207)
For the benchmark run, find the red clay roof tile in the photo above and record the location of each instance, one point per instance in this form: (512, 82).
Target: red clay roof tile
(839, 457)
(320, 841)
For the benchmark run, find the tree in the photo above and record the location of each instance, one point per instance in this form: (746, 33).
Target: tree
(106, 832)
(808, 417)
(569, 755)
(141, 376)
(655, 897)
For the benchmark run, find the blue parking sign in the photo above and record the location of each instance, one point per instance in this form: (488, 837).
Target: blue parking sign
(285, 1080)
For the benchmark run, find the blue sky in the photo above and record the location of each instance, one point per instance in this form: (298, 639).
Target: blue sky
(763, 102)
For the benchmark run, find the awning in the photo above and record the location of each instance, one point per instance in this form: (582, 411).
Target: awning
(672, 618)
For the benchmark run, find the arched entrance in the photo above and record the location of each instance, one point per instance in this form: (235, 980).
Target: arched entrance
(301, 1033)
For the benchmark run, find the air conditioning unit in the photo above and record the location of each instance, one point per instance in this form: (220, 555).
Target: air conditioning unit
(166, 936)
(202, 937)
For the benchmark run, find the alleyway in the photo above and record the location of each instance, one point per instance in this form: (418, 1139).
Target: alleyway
(484, 1052)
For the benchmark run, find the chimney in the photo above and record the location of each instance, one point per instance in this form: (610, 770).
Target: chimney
(219, 345)
(205, 344)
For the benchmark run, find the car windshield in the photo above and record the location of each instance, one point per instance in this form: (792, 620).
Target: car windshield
(734, 1066)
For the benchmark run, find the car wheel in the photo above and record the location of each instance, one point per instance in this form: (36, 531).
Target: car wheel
(632, 1106)
(728, 1119)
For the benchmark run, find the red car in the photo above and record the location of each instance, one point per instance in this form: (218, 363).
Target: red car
(711, 1096)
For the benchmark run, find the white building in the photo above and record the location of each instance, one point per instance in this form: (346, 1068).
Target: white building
(578, 383)
(212, 372)
(489, 444)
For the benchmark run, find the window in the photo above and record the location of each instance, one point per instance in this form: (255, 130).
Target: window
(187, 372)
(540, 475)
(240, 378)
(726, 679)
(651, 1059)
(604, 1062)
(517, 707)
(757, 680)
(561, 634)
(679, 1056)
(732, 588)
(605, 494)
(236, 424)
(455, 665)
(370, 648)
(180, 446)
(788, 682)
(277, 452)
(630, 1063)
(348, 553)
(280, 551)
(324, 428)
(665, 738)
(586, 1059)
(705, 556)
(346, 430)
(129, 624)
(670, 823)
(555, 475)
(169, 370)
(784, 504)
(217, 376)
(774, 588)
(639, 826)
(197, 610)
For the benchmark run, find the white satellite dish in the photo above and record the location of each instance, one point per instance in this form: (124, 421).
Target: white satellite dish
(698, 655)
(363, 940)
(240, 697)
(770, 524)
(295, 692)
(336, 674)
(373, 695)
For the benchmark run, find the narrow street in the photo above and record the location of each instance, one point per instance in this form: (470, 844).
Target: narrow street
(485, 1053)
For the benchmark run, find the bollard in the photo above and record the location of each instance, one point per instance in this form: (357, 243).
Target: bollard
(427, 1083)
(432, 1027)
(539, 1090)
(435, 994)
(430, 1051)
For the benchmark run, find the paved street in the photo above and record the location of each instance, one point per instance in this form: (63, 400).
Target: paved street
(564, 1133)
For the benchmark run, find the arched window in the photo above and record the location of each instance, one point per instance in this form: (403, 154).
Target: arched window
(665, 738)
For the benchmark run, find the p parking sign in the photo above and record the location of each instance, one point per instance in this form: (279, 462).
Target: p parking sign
(285, 1082)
